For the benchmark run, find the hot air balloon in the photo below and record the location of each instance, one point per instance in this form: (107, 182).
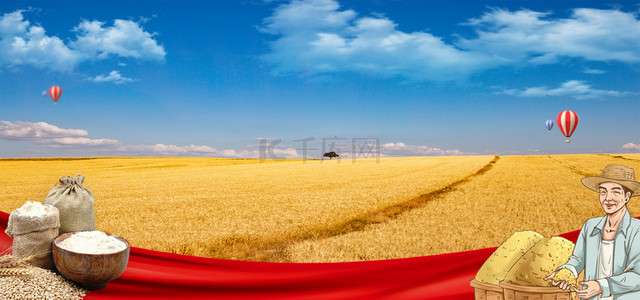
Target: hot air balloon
(549, 125)
(567, 123)
(55, 92)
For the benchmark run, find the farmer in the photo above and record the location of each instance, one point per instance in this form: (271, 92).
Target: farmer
(608, 248)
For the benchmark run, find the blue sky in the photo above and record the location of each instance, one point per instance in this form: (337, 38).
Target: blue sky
(215, 78)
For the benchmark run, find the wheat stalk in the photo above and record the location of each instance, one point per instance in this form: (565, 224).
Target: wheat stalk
(10, 261)
(14, 272)
(5, 259)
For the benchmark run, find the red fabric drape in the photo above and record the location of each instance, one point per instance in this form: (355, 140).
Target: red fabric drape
(158, 275)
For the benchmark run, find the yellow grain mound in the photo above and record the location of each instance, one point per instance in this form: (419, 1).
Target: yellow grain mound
(542, 259)
(495, 268)
(566, 275)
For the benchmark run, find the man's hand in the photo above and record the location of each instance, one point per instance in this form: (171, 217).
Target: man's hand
(561, 284)
(593, 289)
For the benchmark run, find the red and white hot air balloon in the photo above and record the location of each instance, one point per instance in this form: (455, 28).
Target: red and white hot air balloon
(567, 122)
(55, 92)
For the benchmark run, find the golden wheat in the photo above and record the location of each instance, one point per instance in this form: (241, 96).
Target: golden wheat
(635, 156)
(539, 193)
(14, 272)
(10, 261)
(197, 206)
(592, 164)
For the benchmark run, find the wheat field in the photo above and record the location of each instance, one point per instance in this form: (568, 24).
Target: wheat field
(324, 210)
(540, 193)
(231, 208)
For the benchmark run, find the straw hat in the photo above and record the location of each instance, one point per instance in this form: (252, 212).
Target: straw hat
(619, 174)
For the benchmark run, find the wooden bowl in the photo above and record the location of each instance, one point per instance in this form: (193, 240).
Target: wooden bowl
(91, 271)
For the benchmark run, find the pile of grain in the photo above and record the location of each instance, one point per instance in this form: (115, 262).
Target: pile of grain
(566, 275)
(496, 267)
(540, 261)
(20, 280)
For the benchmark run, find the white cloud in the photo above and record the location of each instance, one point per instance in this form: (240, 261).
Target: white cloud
(79, 141)
(167, 149)
(631, 146)
(22, 43)
(402, 149)
(535, 37)
(593, 71)
(125, 39)
(51, 136)
(114, 76)
(573, 88)
(317, 37)
(29, 131)
(275, 153)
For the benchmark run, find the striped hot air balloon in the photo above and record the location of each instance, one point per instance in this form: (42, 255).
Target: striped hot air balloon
(567, 123)
(55, 92)
(549, 125)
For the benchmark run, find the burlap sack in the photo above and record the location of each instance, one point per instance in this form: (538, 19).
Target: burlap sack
(75, 204)
(32, 235)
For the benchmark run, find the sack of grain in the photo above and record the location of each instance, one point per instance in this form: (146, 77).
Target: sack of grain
(542, 259)
(75, 204)
(33, 227)
(495, 268)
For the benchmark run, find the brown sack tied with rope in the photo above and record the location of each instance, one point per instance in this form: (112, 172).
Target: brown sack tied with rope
(75, 203)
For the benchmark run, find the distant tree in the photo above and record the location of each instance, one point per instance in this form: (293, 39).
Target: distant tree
(331, 155)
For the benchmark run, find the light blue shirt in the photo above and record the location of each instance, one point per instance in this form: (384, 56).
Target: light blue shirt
(625, 282)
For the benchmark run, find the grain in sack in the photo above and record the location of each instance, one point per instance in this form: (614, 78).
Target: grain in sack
(33, 227)
(75, 203)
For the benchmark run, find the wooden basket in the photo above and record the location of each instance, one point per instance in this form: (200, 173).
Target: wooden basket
(486, 291)
(521, 292)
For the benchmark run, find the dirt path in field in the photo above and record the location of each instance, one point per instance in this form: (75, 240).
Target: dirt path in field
(576, 170)
(275, 251)
(620, 157)
(571, 167)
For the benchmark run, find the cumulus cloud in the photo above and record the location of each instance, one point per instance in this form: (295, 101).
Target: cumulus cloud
(78, 141)
(631, 146)
(402, 149)
(536, 37)
(28, 131)
(167, 149)
(573, 88)
(275, 153)
(26, 44)
(51, 136)
(318, 37)
(125, 39)
(114, 77)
